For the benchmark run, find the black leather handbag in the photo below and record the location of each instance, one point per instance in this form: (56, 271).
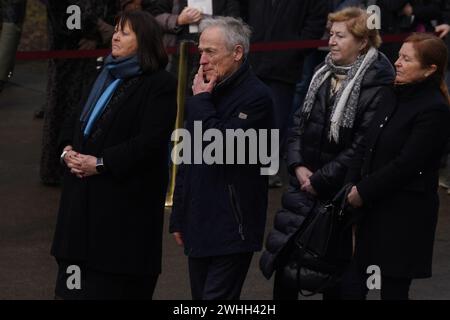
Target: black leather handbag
(321, 248)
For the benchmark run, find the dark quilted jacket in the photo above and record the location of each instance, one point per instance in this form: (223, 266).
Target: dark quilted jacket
(327, 160)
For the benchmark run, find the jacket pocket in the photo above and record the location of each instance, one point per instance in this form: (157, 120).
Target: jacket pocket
(235, 208)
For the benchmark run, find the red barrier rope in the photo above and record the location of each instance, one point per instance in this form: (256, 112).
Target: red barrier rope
(256, 47)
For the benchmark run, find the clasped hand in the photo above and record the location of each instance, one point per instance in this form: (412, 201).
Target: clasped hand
(354, 199)
(303, 174)
(81, 165)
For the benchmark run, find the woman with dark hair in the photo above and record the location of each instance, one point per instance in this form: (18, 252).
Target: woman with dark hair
(395, 171)
(115, 155)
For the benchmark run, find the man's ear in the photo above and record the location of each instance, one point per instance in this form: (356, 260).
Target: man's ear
(238, 53)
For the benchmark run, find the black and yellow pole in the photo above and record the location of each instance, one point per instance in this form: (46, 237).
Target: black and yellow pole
(181, 96)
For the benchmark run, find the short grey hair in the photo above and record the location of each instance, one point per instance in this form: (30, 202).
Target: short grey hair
(235, 30)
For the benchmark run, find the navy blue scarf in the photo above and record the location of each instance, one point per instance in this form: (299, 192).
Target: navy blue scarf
(113, 73)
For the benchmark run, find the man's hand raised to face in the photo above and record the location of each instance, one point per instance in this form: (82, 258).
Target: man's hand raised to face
(200, 85)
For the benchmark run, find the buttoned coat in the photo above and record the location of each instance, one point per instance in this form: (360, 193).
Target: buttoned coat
(113, 222)
(396, 174)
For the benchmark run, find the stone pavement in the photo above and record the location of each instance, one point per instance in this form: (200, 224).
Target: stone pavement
(28, 213)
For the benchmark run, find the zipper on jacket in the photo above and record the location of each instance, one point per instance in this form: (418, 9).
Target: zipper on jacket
(236, 211)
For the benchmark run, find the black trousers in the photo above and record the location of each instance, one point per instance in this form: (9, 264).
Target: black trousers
(218, 278)
(395, 288)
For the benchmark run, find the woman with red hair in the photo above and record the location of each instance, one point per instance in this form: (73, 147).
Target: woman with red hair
(396, 173)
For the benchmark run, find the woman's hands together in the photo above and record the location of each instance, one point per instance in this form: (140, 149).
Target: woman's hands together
(79, 164)
(303, 174)
(354, 199)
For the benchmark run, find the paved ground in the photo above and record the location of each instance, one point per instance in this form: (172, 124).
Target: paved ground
(27, 213)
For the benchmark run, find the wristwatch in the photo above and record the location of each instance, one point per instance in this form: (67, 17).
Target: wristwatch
(61, 158)
(99, 166)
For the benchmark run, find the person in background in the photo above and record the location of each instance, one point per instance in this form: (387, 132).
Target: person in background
(283, 20)
(219, 210)
(13, 16)
(175, 16)
(345, 92)
(103, 34)
(68, 79)
(114, 150)
(395, 171)
(442, 30)
(406, 16)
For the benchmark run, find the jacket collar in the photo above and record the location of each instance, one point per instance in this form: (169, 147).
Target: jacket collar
(234, 79)
(408, 90)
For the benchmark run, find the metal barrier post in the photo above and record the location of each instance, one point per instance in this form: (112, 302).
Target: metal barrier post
(181, 94)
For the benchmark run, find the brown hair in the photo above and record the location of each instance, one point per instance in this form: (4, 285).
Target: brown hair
(432, 50)
(356, 20)
(151, 52)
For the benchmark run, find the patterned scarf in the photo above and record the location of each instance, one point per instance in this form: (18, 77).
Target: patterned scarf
(346, 102)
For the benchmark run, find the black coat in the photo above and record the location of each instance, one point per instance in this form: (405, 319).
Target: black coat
(327, 160)
(113, 221)
(221, 208)
(286, 20)
(396, 174)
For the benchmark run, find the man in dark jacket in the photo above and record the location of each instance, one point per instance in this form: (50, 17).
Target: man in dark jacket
(219, 209)
(283, 20)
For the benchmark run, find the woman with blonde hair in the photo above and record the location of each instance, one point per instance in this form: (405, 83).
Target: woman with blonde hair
(346, 90)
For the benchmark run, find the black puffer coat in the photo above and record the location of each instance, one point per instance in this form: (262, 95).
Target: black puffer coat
(327, 160)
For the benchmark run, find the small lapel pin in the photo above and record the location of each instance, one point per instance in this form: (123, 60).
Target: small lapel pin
(242, 116)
